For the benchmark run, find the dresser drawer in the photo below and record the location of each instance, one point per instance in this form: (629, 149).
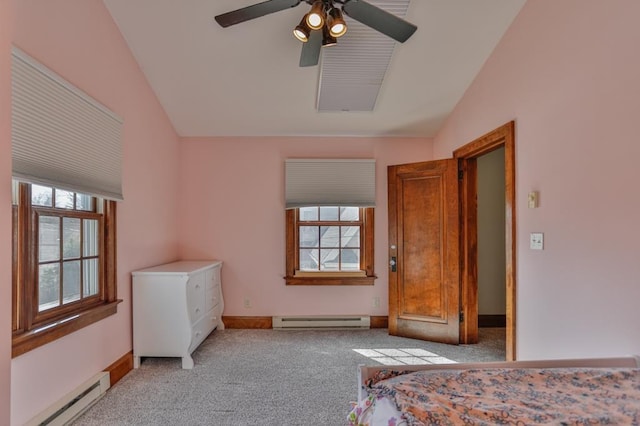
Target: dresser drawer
(202, 329)
(196, 295)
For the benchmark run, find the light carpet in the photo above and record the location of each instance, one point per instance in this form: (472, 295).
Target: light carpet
(264, 377)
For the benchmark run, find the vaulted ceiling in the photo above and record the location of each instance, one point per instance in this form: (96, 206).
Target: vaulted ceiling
(244, 80)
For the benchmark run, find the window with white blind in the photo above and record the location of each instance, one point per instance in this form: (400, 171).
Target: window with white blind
(329, 218)
(66, 164)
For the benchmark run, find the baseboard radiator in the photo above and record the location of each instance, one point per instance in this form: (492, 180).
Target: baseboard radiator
(74, 403)
(321, 322)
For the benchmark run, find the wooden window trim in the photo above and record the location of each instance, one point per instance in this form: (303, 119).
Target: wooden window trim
(331, 278)
(14, 267)
(29, 334)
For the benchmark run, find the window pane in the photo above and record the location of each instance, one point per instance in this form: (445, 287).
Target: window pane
(64, 199)
(48, 287)
(329, 236)
(83, 202)
(349, 213)
(350, 236)
(308, 213)
(90, 278)
(90, 243)
(41, 195)
(308, 236)
(329, 259)
(329, 213)
(309, 259)
(350, 259)
(70, 281)
(49, 238)
(70, 237)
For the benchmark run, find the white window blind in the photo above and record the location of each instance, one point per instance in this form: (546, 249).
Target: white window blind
(60, 136)
(330, 182)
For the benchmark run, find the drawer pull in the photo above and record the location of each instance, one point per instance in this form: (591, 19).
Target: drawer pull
(197, 310)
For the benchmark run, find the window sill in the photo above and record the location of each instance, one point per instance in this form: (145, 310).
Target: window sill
(26, 341)
(329, 279)
(324, 274)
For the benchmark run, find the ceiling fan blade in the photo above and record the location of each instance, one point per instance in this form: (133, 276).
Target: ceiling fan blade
(380, 20)
(254, 11)
(310, 54)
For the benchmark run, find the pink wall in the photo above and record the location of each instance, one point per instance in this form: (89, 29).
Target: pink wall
(232, 204)
(79, 40)
(5, 209)
(567, 72)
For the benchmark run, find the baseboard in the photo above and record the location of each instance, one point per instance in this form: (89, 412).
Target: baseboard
(247, 322)
(120, 368)
(380, 322)
(485, 321)
(266, 322)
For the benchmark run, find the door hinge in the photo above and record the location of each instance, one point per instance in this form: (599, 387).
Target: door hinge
(460, 174)
(461, 316)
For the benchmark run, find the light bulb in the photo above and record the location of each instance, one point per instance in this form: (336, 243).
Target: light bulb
(338, 29)
(300, 35)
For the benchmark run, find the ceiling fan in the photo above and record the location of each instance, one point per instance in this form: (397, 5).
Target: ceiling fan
(324, 23)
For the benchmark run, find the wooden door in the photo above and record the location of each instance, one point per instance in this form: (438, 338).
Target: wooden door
(424, 276)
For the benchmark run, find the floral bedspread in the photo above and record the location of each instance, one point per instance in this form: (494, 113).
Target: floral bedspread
(512, 396)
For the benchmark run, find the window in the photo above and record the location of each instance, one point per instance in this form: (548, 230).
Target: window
(63, 263)
(330, 246)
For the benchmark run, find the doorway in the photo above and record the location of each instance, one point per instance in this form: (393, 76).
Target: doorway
(467, 156)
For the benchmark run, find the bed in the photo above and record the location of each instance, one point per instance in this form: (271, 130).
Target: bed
(572, 391)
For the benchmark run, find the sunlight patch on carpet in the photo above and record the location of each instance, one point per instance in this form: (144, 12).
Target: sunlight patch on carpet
(407, 356)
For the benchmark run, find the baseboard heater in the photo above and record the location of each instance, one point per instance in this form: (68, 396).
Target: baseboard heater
(321, 322)
(74, 403)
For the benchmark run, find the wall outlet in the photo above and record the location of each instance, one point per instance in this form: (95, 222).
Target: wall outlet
(376, 302)
(247, 303)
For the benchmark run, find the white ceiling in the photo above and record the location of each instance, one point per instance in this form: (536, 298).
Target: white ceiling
(244, 80)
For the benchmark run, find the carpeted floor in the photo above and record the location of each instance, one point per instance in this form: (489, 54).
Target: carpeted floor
(263, 377)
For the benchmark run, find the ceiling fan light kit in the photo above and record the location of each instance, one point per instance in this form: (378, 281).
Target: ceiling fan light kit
(324, 16)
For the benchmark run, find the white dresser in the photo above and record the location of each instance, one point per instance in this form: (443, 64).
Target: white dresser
(175, 307)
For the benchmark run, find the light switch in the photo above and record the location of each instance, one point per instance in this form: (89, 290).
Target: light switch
(532, 200)
(536, 241)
